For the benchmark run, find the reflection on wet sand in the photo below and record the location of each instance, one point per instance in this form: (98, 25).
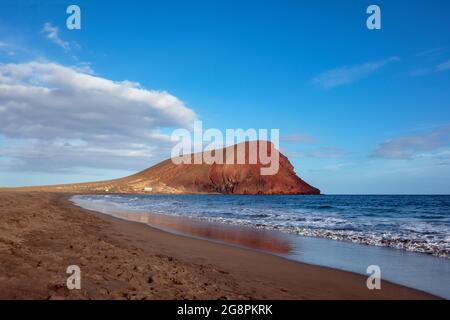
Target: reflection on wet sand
(243, 236)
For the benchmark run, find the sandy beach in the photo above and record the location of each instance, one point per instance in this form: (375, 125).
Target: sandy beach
(43, 233)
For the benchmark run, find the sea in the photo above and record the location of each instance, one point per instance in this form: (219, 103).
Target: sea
(406, 236)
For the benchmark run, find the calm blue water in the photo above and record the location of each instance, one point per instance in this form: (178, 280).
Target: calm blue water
(412, 223)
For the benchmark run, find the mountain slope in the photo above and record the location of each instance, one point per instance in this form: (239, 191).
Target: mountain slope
(167, 177)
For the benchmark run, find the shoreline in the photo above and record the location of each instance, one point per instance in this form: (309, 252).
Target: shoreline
(227, 234)
(42, 233)
(401, 267)
(360, 238)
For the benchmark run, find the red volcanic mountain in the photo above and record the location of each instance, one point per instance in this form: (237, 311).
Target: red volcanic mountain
(168, 177)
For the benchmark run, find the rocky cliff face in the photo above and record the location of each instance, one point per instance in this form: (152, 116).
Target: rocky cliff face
(167, 177)
(225, 178)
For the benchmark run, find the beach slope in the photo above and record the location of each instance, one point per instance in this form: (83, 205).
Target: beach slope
(41, 234)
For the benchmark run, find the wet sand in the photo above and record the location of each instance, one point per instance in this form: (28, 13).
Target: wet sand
(243, 236)
(43, 233)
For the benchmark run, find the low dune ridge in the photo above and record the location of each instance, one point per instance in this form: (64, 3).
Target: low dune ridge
(168, 177)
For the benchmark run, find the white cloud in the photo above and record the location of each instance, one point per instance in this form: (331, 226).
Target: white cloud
(348, 74)
(7, 48)
(334, 167)
(432, 53)
(83, 67)
(443, 66)
(413, 146)
(298, 138)
(58, 117)
(52, 33)
(320, 153)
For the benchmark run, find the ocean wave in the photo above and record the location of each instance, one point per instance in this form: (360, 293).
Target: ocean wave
(422, 244)
(396, 222)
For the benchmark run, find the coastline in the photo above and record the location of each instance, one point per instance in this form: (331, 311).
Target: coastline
(43, 233)
(415, 270)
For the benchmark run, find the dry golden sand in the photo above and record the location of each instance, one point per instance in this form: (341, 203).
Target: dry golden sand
(43, 233)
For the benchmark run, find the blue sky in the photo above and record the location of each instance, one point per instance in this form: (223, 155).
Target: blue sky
(359, 111)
